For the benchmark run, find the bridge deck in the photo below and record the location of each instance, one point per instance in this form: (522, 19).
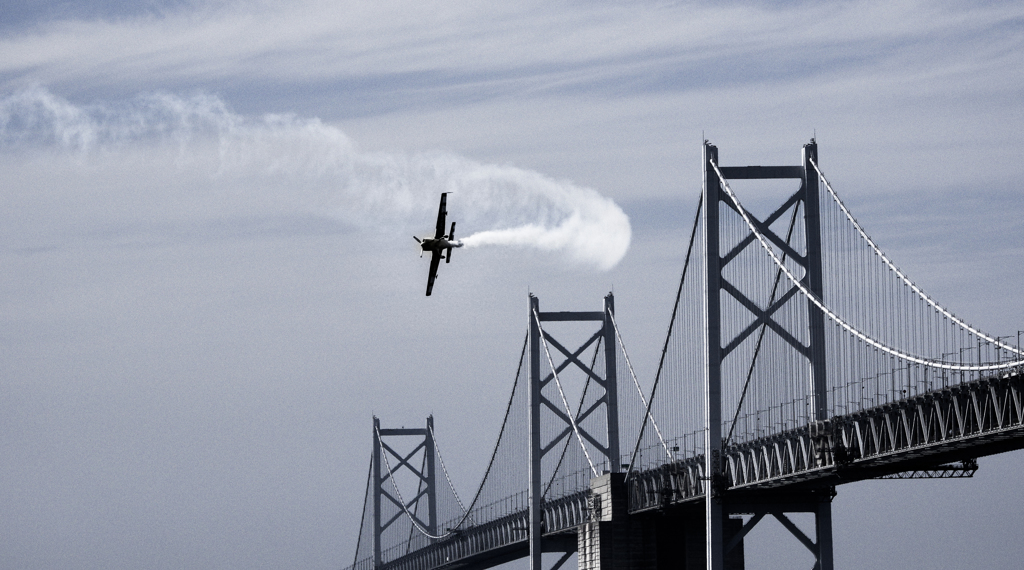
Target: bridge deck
(501, 540)
(961, 422)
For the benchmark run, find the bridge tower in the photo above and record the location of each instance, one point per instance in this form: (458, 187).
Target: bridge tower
(544, 347)
(388, 462)
(718, 505)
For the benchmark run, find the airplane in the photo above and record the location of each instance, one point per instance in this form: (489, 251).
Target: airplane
(438, 244)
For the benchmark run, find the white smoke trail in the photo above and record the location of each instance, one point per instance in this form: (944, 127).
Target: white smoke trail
(290, 163)
(596, 231)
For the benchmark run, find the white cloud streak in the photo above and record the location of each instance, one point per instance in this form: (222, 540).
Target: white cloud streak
(479, 42)
(285, 164)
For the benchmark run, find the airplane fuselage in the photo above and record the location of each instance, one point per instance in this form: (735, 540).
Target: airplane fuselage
(438, 244)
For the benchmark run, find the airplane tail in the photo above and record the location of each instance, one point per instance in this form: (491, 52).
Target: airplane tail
(451, 237)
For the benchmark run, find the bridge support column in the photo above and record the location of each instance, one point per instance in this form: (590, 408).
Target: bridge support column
(823, 528)
(534, 521)
(817, 502)
(713, 514)
(672, 539)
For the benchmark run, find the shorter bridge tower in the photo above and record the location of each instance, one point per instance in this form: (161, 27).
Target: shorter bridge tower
(547, 398)
(388, 462)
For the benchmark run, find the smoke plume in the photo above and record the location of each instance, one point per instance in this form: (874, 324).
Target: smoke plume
(284, 163)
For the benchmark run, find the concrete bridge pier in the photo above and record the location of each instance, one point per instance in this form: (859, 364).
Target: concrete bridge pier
(672, 539)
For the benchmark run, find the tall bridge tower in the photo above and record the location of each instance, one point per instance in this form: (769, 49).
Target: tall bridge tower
(720, 347)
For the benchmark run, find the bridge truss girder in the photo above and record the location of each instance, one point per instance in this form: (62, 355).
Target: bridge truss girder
(922, 434)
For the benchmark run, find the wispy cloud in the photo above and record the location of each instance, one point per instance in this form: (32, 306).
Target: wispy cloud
(286, 165)
(381, 47)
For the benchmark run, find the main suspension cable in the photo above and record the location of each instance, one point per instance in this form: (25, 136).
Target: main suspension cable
(668, 337)
(501, 432)
(467, 512)
(362, 521)
(444, 470)
(878, 251)
(836, 318)
(401, 501)
(637, 384)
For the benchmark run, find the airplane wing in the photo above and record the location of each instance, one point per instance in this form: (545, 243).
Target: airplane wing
(435, 260)
(451, 235)
(441, 212)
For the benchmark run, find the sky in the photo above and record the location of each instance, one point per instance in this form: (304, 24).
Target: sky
(208, 286)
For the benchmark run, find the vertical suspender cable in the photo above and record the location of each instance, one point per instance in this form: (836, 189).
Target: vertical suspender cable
(637, 384)
(901, 275)
(664, 348)
(359, 538)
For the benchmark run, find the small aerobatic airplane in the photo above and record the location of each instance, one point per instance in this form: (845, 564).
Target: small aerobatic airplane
(438, 244)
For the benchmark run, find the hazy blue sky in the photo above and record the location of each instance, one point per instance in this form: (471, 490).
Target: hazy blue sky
(207, 281)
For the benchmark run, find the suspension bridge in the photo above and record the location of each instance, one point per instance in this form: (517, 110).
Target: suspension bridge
(798, 358)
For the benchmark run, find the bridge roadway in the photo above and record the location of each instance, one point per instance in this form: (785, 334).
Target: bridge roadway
(962, 422)
(501, 540)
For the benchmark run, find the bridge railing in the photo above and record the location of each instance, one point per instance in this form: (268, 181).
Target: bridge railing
(493, 511)
(666, 484)
(895, 384)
